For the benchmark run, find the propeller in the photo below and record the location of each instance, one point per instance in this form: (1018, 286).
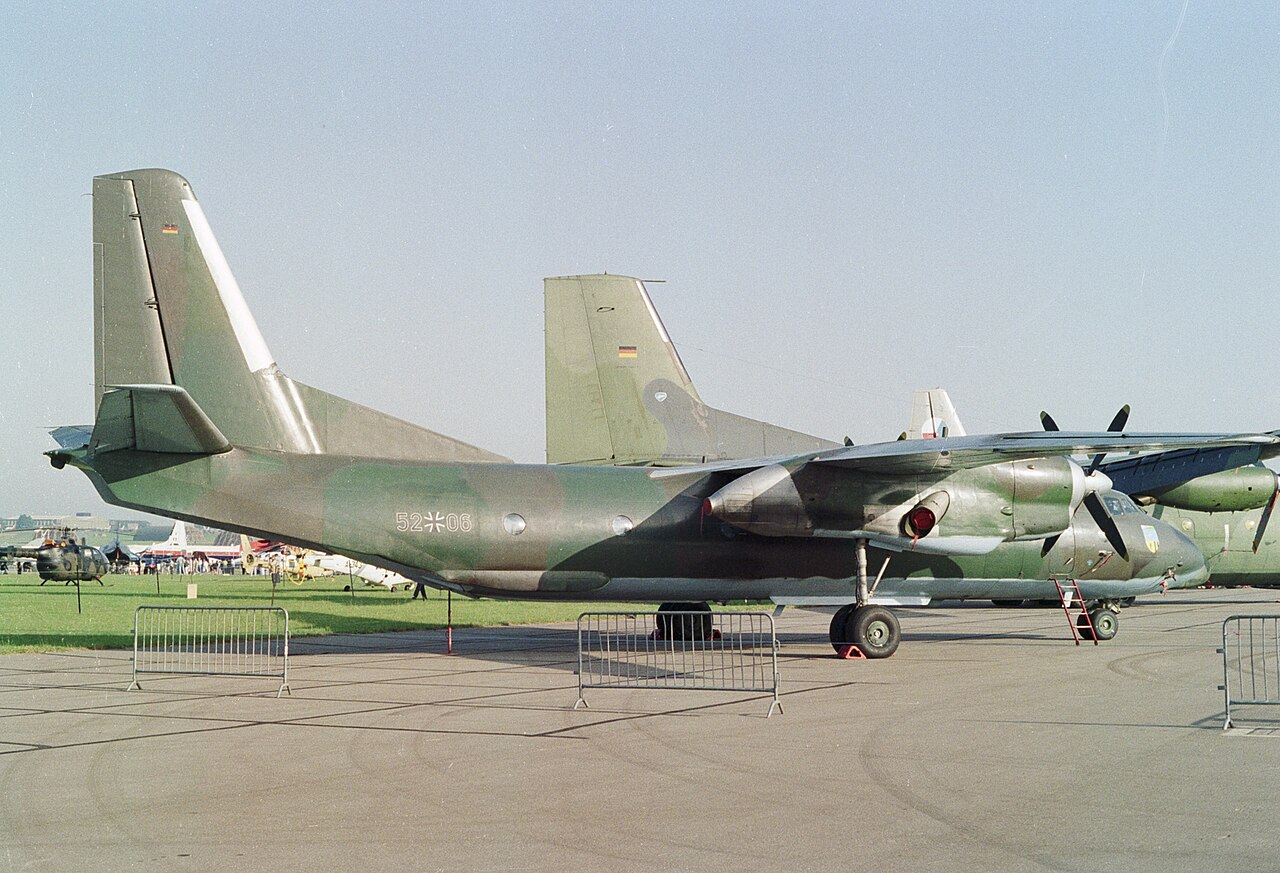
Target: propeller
(1266, 517)
(1117, 424)
(1092, 501)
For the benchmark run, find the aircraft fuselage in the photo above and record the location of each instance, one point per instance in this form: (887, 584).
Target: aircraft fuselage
(602, 533)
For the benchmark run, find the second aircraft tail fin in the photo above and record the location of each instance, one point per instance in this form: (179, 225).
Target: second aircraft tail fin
(618, 393)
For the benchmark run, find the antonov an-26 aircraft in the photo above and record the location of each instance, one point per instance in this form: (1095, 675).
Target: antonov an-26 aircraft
(196, 421)
(638, 406)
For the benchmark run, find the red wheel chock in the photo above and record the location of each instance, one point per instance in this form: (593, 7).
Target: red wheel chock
(850, 653)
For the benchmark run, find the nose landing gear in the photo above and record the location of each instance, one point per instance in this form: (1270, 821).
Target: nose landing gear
(1102, 623)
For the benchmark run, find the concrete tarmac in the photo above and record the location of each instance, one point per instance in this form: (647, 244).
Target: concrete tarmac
(989, 742)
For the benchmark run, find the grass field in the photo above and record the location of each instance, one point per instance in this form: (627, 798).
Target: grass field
(44, 618)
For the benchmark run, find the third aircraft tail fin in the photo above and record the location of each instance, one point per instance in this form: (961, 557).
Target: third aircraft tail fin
(932, 415)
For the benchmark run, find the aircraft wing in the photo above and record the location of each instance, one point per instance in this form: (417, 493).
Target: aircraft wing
(1160, 470)
(959, 453)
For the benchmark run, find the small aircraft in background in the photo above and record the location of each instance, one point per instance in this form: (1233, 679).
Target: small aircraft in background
(177, 546)
(299, 564)
(59, 557)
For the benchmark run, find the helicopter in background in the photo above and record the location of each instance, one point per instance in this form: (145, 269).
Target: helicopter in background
(60, 558)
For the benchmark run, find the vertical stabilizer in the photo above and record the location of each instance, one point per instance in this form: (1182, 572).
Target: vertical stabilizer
(168, 311)
(932, 415)
(618, 393)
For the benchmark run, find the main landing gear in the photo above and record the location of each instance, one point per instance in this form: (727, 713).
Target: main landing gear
(871, 630)
(698, 626)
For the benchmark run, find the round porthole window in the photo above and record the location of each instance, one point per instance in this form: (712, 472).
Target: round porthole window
(514, 523)
(621, 526)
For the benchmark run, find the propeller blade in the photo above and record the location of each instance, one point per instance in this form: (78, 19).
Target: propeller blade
(1266, 517)
(1121, 419)
(1046, 420)
(1108, 524)
(1049, 543)
(1117, 425)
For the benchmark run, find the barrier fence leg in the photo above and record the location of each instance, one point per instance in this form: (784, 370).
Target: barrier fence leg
(581, 700)
(448, 630)
(134, 684)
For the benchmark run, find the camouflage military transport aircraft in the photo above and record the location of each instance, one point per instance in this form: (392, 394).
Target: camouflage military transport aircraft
(640, 407)
(196, 421)
(1221, 499)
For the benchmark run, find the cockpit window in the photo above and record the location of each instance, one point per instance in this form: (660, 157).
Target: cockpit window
(1119, 504)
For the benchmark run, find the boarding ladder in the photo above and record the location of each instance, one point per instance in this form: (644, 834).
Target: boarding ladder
(1070, 597)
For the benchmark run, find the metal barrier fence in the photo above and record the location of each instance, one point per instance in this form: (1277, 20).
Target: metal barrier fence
(212, 641)
(704, 651)
(1250, 661)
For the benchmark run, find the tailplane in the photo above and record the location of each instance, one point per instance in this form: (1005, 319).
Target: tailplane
(618, 393)
(170, 315)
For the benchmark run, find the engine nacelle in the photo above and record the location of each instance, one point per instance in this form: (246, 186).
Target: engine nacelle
(1225, 491)
(1018, 500)
(1045, 493)
(764, 501)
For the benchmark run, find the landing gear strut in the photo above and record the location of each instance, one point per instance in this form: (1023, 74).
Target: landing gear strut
(872, 630)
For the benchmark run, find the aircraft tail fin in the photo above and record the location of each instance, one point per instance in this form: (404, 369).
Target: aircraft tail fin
(618, 393)
(932, 415)
(168, 312)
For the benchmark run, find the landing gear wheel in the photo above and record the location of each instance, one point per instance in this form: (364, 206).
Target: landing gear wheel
(1105, 625)
(684, 627)
(1007, 604)
(875, 631)
(839, 637)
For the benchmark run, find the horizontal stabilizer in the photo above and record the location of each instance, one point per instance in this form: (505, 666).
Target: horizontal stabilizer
(155, 418)
(72, 436)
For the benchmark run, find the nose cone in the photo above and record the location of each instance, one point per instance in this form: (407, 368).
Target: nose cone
(1175, 556)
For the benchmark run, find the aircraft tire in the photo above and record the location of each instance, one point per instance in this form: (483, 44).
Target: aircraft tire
(838, 635)
(684, 627)
(874, 630)
(1106, 624)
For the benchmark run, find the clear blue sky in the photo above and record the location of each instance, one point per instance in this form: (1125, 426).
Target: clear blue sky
(1040, 205)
